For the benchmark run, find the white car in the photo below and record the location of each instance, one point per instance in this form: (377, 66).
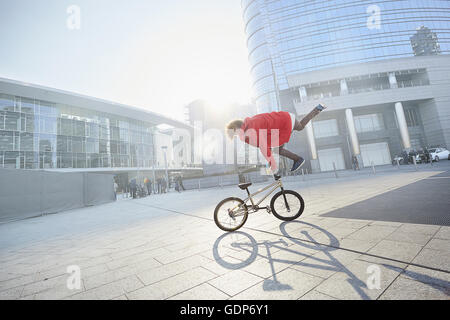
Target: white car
(439, 153)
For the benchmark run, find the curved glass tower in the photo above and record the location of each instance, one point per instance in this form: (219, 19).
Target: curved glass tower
(286, 37)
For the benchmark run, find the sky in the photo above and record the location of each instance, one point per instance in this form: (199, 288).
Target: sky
(155, 54)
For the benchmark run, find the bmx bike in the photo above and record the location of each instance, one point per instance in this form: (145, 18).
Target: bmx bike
(232, 213)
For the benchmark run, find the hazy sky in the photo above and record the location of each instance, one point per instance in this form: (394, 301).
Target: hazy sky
(155, 54)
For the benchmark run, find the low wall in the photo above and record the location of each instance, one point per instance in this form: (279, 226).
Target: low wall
(220, 181)
(29, 193)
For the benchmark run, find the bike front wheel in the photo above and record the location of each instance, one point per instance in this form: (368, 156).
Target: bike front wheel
(230, 214)
(287, 205)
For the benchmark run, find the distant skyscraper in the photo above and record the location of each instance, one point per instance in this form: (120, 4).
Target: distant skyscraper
(425, 42)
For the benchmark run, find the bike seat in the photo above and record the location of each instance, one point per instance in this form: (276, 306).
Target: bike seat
(244, 186)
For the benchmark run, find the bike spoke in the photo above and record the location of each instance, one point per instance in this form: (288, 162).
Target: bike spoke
(231, 214)
(293, 202)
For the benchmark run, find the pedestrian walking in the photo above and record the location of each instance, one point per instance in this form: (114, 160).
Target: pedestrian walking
(355, 163)
(133, 188)
(158, 182)
(116, 187)
(148, 184)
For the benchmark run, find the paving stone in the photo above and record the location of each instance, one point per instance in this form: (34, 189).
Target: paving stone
(413, 237)
(44, 285)
(443, 233)
(11, 294)
(439, 244)
(105, 278)
(202, 292)
(372, 233)
(315, 295)
(16, 282)
(418, 228)
(56, 293)
(234, 282)
(111, 290)
(357, 245)
(289, 284)
(386, 223)
(407, 289)
(325, 264)
(174, 285)
(433, 258)
(428, 276)
(351, 283)
(225, 265)
(403, 251)
(172, 269)
(354, 224)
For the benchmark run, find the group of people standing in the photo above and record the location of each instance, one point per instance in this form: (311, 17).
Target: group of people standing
(160, 185)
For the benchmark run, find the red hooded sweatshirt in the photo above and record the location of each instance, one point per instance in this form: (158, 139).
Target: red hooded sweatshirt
(266, 131)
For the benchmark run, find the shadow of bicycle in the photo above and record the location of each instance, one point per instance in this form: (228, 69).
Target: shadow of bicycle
(239, 249)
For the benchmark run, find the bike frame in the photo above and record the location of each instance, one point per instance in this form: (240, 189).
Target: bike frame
(255, 207)
(273, 186)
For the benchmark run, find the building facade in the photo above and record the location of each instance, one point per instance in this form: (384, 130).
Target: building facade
(44, 128)
(381, 68)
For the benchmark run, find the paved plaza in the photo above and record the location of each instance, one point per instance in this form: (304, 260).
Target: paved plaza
(361, 236)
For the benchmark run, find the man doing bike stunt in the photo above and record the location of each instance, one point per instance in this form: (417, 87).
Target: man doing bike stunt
(272, 130)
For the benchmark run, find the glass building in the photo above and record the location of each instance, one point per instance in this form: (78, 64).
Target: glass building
(286, 37)
(43, 128)
(382, 68)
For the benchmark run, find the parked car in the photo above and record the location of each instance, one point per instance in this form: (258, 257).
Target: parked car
(439, 153)
(400, 160)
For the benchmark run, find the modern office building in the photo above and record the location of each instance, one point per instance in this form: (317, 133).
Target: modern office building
(382, 68)
(45, 128)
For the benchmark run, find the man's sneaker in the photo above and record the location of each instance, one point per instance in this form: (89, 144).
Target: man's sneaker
(297, 164)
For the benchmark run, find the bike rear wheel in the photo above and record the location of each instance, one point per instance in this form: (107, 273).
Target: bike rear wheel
(230, 214)
(295, 207)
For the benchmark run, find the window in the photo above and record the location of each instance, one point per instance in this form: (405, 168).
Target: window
(48, 124)
(65, 160)
(368, 122)
(6, 102)
(78, 145)
(31, 160)
(412, 119)
(6, 141)
(11, 160)
(27, 105)
(66, 127)
(61, 143)
(79, 128)
(26, 141)
(92, 145)
(12, 121)
(325, 128)
(31, 125)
